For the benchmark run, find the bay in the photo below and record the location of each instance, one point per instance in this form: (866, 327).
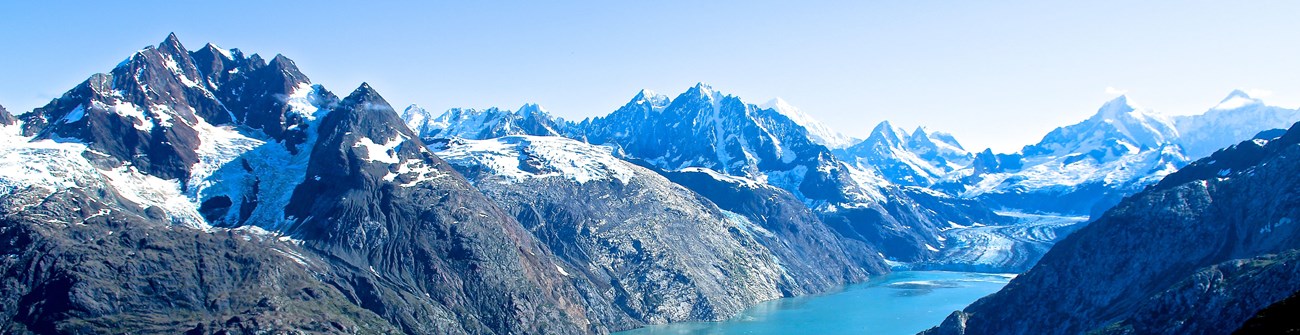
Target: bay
(903, 302)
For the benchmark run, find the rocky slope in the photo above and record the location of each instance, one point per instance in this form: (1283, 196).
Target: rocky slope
(1202, 251)
(621, 227)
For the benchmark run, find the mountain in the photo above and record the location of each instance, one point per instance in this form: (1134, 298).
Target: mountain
(6, 119)
(240, 198)
(917, 159)
(530, 119)
(619, 228)
(1201, 251)
(1078, 169)
(817, 131)
(98, 244)
(1236, 117)
(703, 128)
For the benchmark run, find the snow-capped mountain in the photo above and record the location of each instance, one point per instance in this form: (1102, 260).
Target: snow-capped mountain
(1087, 167)
(817, 131)
(917, 159)
(703, 128)
(1082, 168)
(530, 119)
(1236, 117)
(247, 159)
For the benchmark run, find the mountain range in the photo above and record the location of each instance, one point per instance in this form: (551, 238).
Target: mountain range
(213, 191)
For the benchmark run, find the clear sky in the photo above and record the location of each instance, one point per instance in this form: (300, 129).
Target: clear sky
(997, 75)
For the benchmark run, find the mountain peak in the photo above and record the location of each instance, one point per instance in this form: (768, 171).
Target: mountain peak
(1237, 99)
(531, 109)
(367, 94)
(216, 50)
(1115, 108)
(650, 97)
(703, 90)
(171, 40)
(885, 132)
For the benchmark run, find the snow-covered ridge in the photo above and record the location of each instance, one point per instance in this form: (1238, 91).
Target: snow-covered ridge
(523, 157)
(819, 132)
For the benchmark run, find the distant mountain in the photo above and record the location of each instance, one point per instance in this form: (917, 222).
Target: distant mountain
(1200, 252)
(1238, 116)
(917, 159)
(703, 128)
(1087, 167)
(817, 131)
(530, 119)
(1082, 168)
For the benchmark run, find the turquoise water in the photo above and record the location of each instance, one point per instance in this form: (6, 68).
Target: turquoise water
(904, 302)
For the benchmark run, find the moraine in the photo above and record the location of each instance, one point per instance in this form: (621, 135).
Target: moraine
(903, 302)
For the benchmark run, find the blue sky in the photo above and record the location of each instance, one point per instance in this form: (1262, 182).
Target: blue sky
(995, 75)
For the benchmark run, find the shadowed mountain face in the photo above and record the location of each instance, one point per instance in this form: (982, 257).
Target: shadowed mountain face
(1200, 252)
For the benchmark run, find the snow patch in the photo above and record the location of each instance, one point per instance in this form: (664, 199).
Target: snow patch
(542, 156)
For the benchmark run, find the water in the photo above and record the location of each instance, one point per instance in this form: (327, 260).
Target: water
(904, 302)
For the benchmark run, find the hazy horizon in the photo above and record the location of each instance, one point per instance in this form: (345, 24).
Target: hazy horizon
(962, 68)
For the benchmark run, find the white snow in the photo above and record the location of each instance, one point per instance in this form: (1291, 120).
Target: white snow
(383, 153)
(223, 52)
(75, 115)
(818, 131)
(130, 110)
(548, 156)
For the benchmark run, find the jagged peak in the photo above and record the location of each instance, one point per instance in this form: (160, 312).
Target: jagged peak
(1238, 98)
(365, 93)
(646, 96)
(920, 133)
(171, 41)
(1116, 108)
(530, 109)
(216, 50)
(885, 132)
(284, 63)
(703, 91)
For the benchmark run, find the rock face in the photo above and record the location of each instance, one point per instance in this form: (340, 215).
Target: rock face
(6, 118)
(1202, 251)
(622, 230)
